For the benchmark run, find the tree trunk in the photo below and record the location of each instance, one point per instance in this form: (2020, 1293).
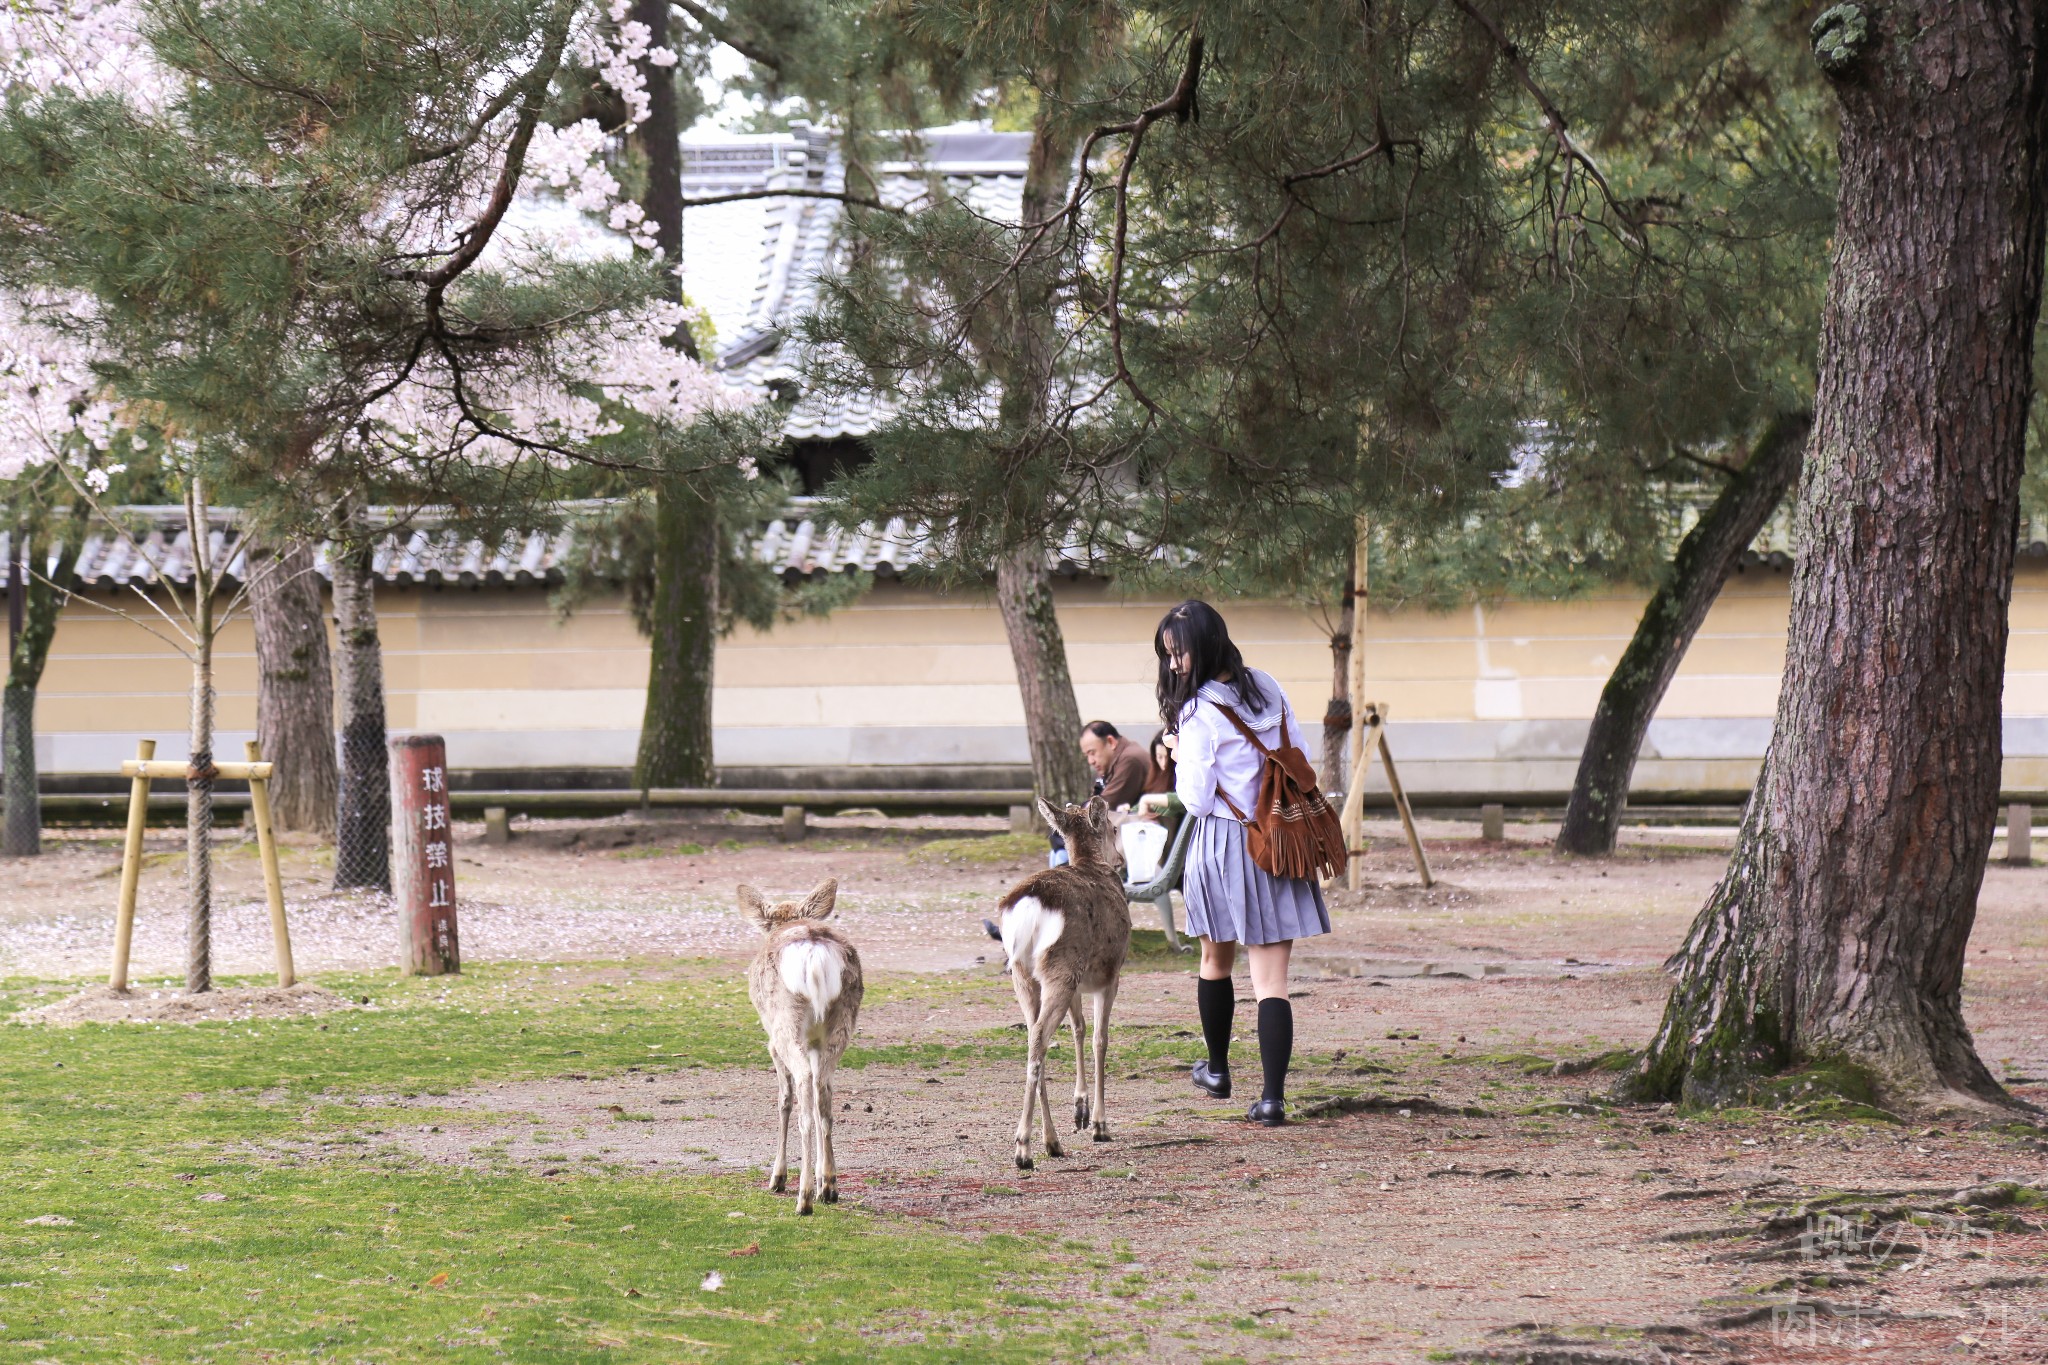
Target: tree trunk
(199, 769)
(1836, 937)
(362, 837)
(294, 687)
(1337, 715)
(1052, 719)
(661, 144)
(1025, 363)
(22, 836)
(1705, 558)
(37, 599)
(675, 730)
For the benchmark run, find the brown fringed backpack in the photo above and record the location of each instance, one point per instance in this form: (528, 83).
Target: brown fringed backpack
(1293, 832)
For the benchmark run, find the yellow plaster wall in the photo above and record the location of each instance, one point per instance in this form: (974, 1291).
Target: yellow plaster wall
(908, 667)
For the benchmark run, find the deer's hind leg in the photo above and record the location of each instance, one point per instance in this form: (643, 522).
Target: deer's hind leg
(1080, 1066)
(828, 1188)
(785, 1100)
(1053, 999)
(1102, 1002)
(806, 1086)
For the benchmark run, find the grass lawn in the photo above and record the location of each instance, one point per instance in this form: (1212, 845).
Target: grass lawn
(193, 1234)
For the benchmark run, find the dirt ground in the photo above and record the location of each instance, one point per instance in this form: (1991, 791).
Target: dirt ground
(1441, 1196)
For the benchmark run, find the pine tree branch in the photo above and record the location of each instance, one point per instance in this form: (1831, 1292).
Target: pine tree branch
(1567, 145)
(859, 200)
(721, 30)
(478, 236)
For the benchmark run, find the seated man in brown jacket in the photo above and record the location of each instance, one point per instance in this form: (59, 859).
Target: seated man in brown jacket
(1124, 768)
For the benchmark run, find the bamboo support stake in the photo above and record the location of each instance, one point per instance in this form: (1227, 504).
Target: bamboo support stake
(143, 768)
(266, 848)
(1401, 802)
(131, 866)
(1353, 818)
(1365, 731)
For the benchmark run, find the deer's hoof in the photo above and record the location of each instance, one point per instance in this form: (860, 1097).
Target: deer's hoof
(1024, 1161)
(803, 1210)
(1102, 1132)
(1054, 1149)
(830, 1194)
(779, 1185)
(1080, 1115)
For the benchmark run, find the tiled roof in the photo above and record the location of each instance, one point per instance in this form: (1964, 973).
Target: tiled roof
(799, 240)
(794, 545)
(753, 264)
(797, 544)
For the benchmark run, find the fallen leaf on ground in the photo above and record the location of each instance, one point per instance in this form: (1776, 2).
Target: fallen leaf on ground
(750, 1249)
(438, 1280)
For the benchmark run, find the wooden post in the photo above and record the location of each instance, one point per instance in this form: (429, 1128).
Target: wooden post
(793, 824)
(423, 857)
(498, 823)
(1493, 822)
(1353, 816)
(1366, 731)
(131, 868)
(1023, 820)
(273, 883)
(2019, 834)
(1401, 797)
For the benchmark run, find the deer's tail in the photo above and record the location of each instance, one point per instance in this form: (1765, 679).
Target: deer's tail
(814, 971)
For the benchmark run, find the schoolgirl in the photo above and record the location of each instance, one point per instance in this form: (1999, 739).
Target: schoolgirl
(1231, 900)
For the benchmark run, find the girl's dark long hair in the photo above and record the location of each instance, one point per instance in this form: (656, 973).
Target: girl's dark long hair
(1198, 629)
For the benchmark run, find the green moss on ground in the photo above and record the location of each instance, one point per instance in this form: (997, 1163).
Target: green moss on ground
(982, 850)
(190, 1236)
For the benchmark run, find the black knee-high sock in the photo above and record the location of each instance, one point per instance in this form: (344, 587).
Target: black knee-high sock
(1216, 1001)
(1276, 1043)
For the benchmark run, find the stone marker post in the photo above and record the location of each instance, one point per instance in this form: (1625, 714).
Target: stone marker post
(423, 857)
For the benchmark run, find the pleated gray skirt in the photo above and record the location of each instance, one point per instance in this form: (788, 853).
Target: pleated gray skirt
(1232, 898)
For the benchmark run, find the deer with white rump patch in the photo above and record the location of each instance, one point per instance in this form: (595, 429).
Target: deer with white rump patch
(806, 984)
(1066, 932)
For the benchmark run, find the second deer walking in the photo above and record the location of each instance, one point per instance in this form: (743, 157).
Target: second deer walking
(1066, 932)
(806, 985)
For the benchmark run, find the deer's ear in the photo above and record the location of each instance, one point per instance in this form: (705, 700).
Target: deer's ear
(1098, 811)
(753, 905)
(1051, 816)
(818, 905)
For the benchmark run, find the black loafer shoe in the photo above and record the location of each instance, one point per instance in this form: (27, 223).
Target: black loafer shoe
(1270, 1113)
(1205, 1079)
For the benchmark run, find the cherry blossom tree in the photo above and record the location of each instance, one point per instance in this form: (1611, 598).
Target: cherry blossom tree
(282, 221)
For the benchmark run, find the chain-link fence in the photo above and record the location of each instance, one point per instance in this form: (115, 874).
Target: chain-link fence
(362, 837)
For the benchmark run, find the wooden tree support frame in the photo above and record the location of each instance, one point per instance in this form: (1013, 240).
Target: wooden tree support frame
(145, 766)
(1369, 734)
(1369, 738)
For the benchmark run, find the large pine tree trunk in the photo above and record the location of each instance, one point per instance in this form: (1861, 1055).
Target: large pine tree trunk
(1052, 719)
(675, 729)
(362, 837)
(1025, 363)
(1705, 558)
(294, 687)
(1837, 934)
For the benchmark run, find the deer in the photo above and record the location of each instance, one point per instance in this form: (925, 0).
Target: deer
(1066, 932)
(806, 985)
